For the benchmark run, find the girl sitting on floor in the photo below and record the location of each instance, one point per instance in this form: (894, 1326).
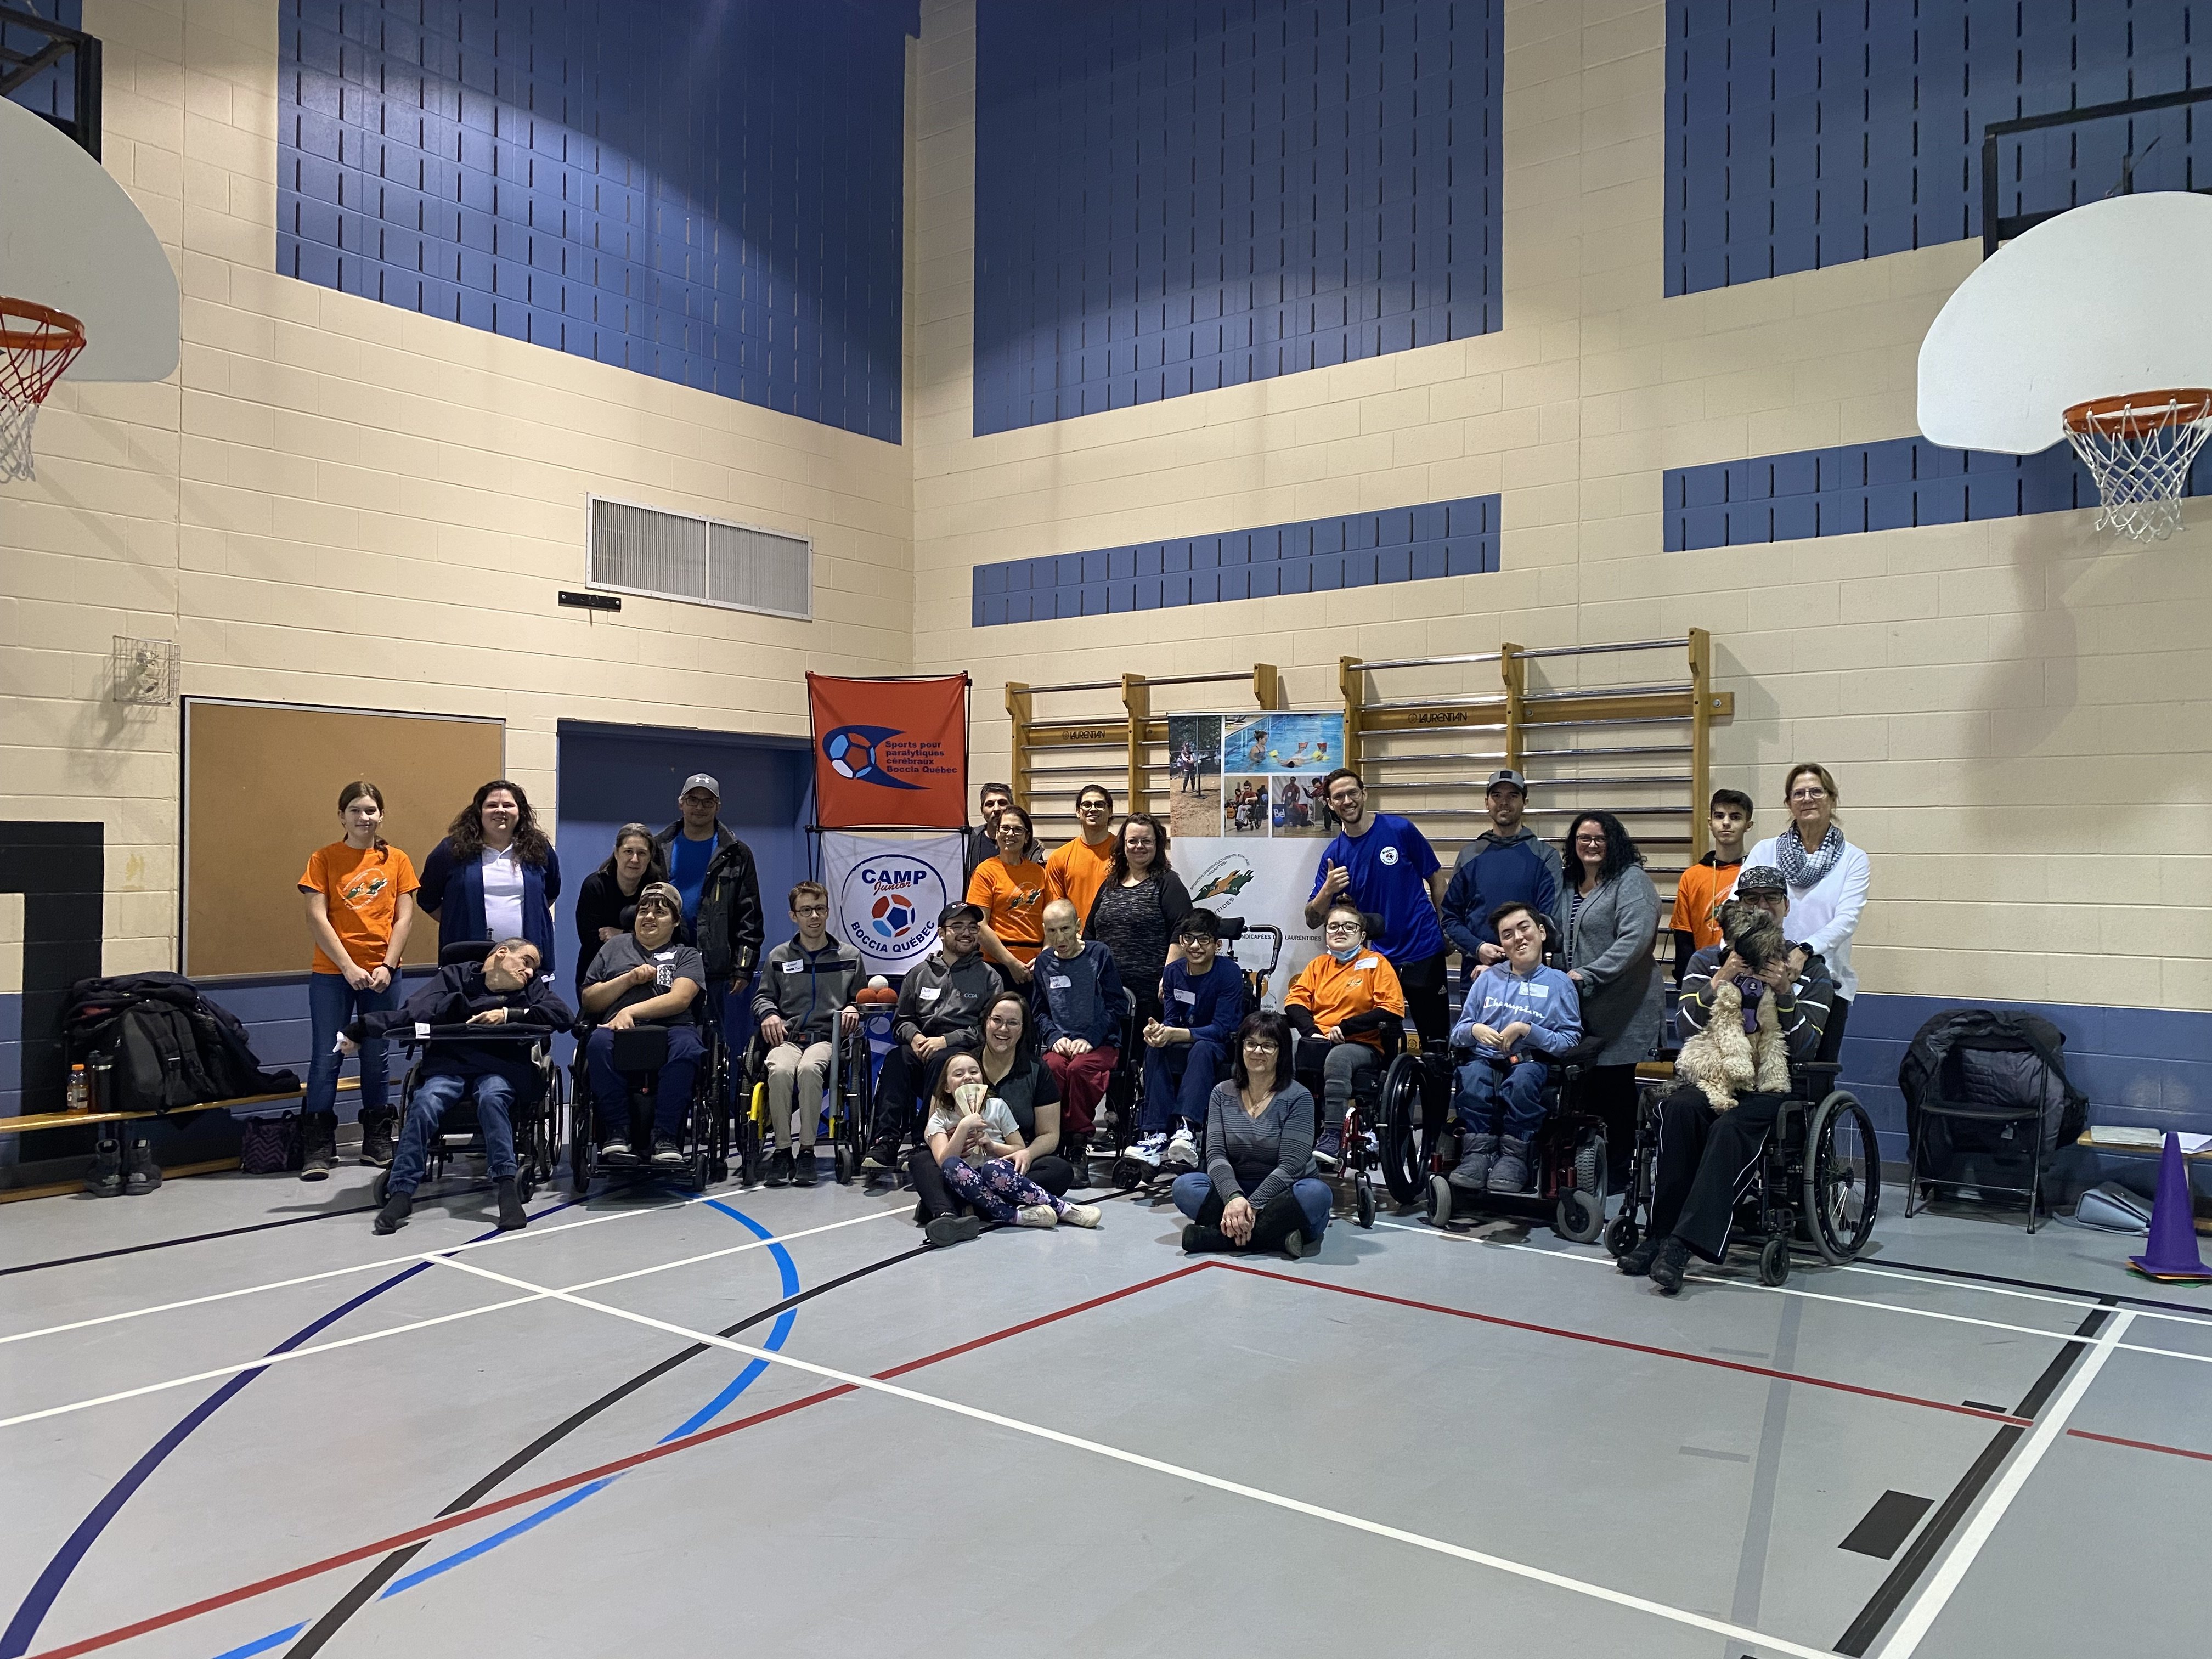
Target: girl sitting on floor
(975, 1141)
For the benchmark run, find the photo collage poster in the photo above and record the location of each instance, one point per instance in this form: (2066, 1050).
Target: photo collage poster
(1251, 777)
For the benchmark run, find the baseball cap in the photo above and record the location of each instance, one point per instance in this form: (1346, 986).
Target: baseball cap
(1760, 879)
(701, 780)
(952, 913)
(1506, 775)
(1199, 924)
(663, 892)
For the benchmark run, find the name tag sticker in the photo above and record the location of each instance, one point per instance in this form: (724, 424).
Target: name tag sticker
(1059, 982)
(663, 955)
(793, 967)
(1539, 990)
(421, 1029)
(1366, 962)
(1190, 997)
(928, 994)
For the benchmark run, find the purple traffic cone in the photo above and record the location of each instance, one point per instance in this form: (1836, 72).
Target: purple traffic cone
(2173, 1254)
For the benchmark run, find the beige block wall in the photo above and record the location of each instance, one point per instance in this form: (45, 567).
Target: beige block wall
(336, 501)
(2015, 709)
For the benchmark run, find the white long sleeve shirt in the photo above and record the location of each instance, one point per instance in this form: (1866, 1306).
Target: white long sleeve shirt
(1824, 916)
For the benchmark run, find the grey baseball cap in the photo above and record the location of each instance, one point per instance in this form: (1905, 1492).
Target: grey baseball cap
(701, 780)
(663, 892)
(1506, 775)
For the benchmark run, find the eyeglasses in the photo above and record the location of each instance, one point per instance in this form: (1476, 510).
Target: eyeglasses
(1811, 792)
(958, 930)
(811, 910)
(1345, 927)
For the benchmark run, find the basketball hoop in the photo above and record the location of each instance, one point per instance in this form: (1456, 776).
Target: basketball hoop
(2138, 446)
(37, 344)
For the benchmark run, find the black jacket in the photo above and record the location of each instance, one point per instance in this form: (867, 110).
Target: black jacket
(2003, 1029)
(730, 928)
(457, 995)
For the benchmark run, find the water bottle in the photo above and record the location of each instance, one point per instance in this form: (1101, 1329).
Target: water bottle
(80, 1100)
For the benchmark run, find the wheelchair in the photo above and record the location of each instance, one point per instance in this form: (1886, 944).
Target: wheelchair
(846, 1099)
(1567, 1157)
(1816, 1189)
(1363, 1142)
(535, 1117)
(638, 1053)
(1115, 1120)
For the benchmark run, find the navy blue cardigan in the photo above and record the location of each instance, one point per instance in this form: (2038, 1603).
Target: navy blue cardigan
(453, 891)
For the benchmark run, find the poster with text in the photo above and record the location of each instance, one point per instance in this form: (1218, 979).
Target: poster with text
(1193, 775)
(885, 894)
(1265, 881)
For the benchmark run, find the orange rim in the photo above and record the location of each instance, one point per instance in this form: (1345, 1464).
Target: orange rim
(2141, 412)
(56, 330)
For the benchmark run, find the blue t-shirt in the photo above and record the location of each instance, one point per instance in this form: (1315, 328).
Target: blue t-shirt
(1390, 867)
(687, 870)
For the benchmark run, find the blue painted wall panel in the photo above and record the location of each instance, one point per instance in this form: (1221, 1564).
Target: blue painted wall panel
(1171, 198)
(718, 203)
(1805, 133)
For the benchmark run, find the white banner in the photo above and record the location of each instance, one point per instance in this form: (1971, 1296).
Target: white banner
(1263, 879)
(885, 893)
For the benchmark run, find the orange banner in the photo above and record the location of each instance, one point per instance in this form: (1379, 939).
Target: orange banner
(890, 754)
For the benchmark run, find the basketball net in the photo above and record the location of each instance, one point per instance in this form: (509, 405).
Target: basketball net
(2138, 446)
(37, 344)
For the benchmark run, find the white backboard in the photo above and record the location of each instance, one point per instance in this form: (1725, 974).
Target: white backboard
(71, 238)
(2106, 298)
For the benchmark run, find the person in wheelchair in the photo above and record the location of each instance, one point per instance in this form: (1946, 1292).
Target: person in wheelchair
(1705, 1155)
(503, 991)
(1519, 1014)
(1077, 986)
(646, 976)
(1187, 1048)
(805, 1004)
(1341, 1006)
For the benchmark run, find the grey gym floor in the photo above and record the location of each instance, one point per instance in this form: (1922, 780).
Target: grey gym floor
(1427, 1443)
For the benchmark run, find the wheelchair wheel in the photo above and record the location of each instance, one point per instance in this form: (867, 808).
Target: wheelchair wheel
(1580, 1216)
(1589, 1169)
(1774, 1262)
(1843, 1177)
(1362, 1201)
(1404, 1166)
(583, 1158)
(1621, 1238)
(380, 1186)
(841, 1161)
(1440, 1201)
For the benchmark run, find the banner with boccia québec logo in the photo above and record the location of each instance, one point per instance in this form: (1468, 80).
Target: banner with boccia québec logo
(885, 893)
(890, 752)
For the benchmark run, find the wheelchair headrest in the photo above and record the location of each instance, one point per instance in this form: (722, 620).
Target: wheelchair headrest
(1231, 928)
(463, 950)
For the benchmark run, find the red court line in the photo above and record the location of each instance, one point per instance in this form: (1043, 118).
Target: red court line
(2142, 1445)
(464, 1517)
(1633, 1347)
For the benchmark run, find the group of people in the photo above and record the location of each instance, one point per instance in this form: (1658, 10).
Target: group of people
(1007, 1037)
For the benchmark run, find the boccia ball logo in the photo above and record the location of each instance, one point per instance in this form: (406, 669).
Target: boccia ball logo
(851, 752)
(891, 915)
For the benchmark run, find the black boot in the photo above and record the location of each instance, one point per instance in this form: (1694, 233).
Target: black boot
(1205, 1241)
(104, 1179)
(1280, 1227)
(1638, 1262)
(378, 1128)
(142, 1175)
(318, 1145)
(393, 1216)
(511, 1216)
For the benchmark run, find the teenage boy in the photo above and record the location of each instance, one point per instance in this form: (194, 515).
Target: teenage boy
(940, 1012)
(1707, 884)
(1519, 1014)
(1507, 863)
(1080, 1009)
(983, 840)
(1204, 998)
(805, 994)
(503, 993)
(1078, 868)
(1382, 864)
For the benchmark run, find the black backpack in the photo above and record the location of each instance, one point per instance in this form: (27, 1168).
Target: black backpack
(168, 1045)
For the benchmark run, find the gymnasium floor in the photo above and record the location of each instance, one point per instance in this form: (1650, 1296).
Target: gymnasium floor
(765, 1421)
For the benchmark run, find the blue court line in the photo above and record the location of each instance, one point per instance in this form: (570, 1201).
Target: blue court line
(778, 1334)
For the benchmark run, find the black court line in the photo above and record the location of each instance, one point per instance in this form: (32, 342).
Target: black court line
(190, 1238)
(2106, 1298)
(313, 1640)
(1930, 1544)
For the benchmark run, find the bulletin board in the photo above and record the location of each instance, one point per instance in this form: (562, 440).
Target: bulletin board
(261, 784)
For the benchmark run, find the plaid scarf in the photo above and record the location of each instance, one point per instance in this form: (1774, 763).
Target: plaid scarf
(1801, 872)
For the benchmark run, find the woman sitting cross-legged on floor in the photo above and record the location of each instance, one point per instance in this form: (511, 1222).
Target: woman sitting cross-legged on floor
(979, 1152)
(1258, 1190)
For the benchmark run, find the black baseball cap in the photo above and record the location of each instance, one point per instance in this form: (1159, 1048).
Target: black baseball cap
(1760, 879)
(961, 912)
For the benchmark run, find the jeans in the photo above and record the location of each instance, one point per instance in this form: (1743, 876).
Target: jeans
(933, 1195)
(804, 1073)
(1179, 1079)
(1082, 1079)
(332, 1005)
(1488, 1090)
(433, 1097)
(671, 1106)
(1194, 1195)
(1707, 1160)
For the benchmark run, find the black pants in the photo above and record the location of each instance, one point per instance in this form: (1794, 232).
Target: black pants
(1428, 1000)
(1282, 1218)
(1706, 1159)
(1832, 1034)
(904, 1081)
(934, 1198)
(1608, 1093)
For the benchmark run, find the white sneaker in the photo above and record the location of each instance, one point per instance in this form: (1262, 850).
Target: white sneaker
(1082, 1215)
(1182, 1150)
(1036, 1215)
(1148, 1151)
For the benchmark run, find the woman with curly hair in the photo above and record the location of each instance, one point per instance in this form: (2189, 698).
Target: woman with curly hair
(1611, 917)
(495, 875)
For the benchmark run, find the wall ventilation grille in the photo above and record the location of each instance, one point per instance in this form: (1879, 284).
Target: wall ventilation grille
(674, 555)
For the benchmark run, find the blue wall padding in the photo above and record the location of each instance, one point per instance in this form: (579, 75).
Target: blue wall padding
(1172, 198)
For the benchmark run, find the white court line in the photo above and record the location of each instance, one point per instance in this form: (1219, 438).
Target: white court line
(2086, 1304)
(416, 1325)
(1929, 1605)
(1197, 1477)
(372, 1266)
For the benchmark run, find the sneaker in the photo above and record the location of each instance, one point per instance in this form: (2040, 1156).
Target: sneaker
(1082, 1215)
(779, 1169)
(882, 1158)
(666, 1154)
(1638, 1262)
(512, 1217)
(141, 1174)
(1510, 1174)
(616, 1151)
(377, 1144)
(1329, 1150)
(1036, 1215)
(1182, 1153)
(946, 1230)
(1668, 1263)
(1371, 1142)
(1472, 1173)
(1148, 1152)
(803, 1172)
(104, 1179)
(1294, 1245)
(393, 1216)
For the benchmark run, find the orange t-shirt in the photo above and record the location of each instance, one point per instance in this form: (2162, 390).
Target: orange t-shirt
(1332, 991)
(1075, 871)
(1697, 899)
(361, 890)
(1013, 903)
